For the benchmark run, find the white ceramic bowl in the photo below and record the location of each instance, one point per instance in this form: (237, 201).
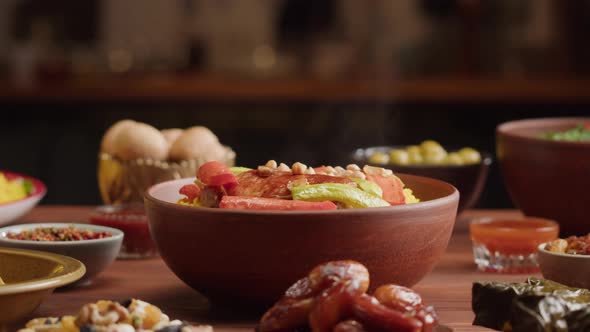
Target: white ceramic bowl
(11, 211)
(95, 254)
(567, 269)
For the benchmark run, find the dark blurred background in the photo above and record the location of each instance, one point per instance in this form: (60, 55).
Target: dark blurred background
(281, 79)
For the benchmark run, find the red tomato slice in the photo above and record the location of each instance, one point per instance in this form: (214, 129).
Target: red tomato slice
(392, 186)
(227, 180)
(587, 125)
(191, 191)
(216, 174)
(261, 203)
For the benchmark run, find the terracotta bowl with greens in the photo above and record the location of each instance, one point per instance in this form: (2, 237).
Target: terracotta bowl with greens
(546, 168)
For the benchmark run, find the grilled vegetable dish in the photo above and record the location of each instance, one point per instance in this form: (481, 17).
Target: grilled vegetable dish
(279, 187)
(532, 306)
(333, 297)
(135, 315)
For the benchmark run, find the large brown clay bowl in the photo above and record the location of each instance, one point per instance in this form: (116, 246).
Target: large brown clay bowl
(468, 179)
(546, 178)
(253, 256)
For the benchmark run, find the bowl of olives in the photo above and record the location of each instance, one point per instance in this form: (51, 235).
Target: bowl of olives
(465, 168)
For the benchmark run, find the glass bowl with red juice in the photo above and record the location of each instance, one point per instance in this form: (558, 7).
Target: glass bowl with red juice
(510, 245)
(132, 220)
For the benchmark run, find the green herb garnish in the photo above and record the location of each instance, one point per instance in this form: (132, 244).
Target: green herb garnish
(28, 186)
(580, 133)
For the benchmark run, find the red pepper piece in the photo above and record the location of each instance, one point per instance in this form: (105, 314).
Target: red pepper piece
(217, 175)
(392, 186)
(260, 203)
(191, 191)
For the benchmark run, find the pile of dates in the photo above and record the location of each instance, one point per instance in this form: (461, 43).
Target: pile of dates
(333, 298)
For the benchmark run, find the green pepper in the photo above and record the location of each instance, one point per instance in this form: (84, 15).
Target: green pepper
(29, 187)
(337, 192)
(238, 170)
(368, 186)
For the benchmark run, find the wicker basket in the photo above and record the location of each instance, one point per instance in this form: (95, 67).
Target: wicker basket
(125, 181)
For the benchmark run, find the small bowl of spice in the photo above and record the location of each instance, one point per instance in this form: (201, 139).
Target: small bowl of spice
(95, 246)
(567, 260)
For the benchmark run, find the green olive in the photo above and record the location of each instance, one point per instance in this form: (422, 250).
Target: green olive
(453, 158)
(434, 158)
(470, 155)
(431, 147)
(399, 157)
(415, 157)
(414, 149)
(379, 158)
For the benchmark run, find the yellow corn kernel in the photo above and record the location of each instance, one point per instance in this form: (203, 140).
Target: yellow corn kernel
(153, 315)
(69, 324)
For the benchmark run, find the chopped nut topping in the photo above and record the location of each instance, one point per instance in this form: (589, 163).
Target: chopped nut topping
(372, 170)
(283, 168)
(111, 314)
(299, 168)
(264, 171)
(330, 170)
(359, 174)
(271, 164)
(353, 167)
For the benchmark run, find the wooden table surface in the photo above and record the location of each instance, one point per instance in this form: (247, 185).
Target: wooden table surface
(448, 287)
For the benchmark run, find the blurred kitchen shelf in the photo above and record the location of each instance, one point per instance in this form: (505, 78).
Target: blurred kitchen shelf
(202, 88)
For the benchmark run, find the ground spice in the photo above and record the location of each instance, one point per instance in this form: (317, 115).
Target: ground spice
(50, 234)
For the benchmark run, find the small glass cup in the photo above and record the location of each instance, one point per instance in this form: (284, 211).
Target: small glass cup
(132, 220)
(510, 245)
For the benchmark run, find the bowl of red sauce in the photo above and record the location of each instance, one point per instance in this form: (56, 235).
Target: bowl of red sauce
(95, 246)
(510, 245)
(132, 221)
